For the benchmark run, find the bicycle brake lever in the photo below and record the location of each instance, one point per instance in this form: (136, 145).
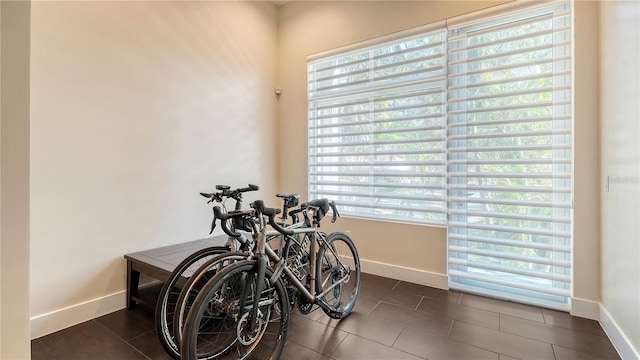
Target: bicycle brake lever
(213, 222)
(334, 209)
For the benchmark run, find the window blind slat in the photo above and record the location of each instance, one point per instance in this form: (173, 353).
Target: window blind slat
(509, 94)
(542, 147)
(509, 121)
(381, 163)
(509, 53)
(380, 196)
(546, 104)
(421, 209)
(511, 162)
(521, 78)
(508, 25)
(377, 153)
(385, 142)
(524, 64)
(510, 134)
(508, 39)
(511, 256)
(511, 270)
(396, 174)
(440, 187)
(369, 133)
(503, 175)
(520, 189)
(562, 292)
(514, 243)
(510, 229)
(428, 118)
(382, 88)
(511, 216)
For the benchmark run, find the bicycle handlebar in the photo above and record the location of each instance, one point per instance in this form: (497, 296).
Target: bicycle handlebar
(225, 191)
(218, 214)
(271, 213)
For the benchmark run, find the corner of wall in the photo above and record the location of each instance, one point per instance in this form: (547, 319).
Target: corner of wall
(585, 308)
(15, 26)
(618, 338)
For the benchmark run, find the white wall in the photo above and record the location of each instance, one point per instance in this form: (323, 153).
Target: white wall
(418, 253)
(135, 108)
(14, 180)
(620, 137)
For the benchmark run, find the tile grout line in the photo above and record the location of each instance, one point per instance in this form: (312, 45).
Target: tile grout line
(396, 285)
(450, 329)
(122, 339)
(141, 335)
(374, 308)
(545, 341)
(302, 346)
(398, 337)
(337, 346)
(553, 350)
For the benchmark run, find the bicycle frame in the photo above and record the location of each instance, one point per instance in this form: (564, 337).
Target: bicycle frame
(264, 253)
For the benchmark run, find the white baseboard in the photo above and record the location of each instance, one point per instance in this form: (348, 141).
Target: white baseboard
(411, 275)
(51, 322)
(618, 338)
(585, 308)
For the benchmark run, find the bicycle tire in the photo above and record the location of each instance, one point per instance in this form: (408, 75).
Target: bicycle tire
(338, 260)
(195, 284)
(215, 326)
(170, 292)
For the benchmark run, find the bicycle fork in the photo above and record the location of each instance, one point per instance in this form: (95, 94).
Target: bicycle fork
(262, 268)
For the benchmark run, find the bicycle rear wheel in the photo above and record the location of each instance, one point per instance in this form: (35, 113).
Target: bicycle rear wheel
(338, 275)
(217, 326)
(167, 299)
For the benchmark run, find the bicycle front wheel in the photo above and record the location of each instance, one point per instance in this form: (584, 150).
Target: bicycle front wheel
(218, 325)
(195, 284)
(338, 275)
(167, 299)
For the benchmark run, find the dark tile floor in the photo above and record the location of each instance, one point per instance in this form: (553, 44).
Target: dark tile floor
(392, 320)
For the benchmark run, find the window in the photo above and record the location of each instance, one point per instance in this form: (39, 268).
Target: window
(479, 140)
(510, 158)
(377, 130)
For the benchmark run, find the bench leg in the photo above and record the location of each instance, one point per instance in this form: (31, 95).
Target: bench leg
(133, 278)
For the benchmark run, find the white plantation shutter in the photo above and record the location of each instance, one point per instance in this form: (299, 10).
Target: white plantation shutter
(510, 157)
(377, 130)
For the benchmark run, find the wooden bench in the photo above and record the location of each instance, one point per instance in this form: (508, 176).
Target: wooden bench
(159, 263)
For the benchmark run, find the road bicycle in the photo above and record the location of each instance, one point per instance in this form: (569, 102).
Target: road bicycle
(207, 270)
(170, 292)
(243, 311)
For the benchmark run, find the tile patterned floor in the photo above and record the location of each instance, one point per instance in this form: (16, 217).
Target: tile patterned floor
(392, 320)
